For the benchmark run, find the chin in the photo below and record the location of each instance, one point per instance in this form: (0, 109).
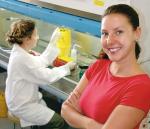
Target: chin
(114, 59)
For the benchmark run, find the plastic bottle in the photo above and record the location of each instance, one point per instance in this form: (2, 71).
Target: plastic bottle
(74, 52)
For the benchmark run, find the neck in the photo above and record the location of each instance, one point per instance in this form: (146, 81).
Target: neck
(128, 68)
(25, 47)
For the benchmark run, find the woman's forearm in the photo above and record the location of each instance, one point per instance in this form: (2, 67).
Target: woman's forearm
(77, 120)
(72, 117)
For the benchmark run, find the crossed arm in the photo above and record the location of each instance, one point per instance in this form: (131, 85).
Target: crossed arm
(71, 111)
(122, 117)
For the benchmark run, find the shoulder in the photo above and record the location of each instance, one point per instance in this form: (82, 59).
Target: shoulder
(100, 63)
(139, 83)
(139, 86)
(97, 67)
(19, 59)
(140, 80)
(137, 93)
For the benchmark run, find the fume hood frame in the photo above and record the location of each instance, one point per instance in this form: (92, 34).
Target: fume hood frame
(77, 23)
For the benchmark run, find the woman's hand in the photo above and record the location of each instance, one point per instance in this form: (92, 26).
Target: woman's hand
(71, 65)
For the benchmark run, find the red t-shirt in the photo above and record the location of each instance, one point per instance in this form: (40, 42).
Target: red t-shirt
(105, 91)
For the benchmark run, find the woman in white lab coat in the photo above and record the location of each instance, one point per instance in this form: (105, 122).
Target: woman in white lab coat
(26, 72)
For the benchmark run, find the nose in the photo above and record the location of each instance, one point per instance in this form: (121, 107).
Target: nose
(110, 39)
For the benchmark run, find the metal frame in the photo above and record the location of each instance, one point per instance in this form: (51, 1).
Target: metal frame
(55, 17)
(65, 9)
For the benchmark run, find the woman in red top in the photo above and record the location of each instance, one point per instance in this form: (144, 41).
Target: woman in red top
(113, 93)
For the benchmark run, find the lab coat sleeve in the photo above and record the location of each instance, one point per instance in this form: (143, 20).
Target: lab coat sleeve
(49, 55)
(41, 75)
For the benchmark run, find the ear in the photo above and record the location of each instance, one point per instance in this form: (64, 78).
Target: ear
(137, 33)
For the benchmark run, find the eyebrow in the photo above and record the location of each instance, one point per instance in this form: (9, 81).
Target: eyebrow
(117, 28)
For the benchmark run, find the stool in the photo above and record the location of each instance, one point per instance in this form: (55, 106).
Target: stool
(14, 119)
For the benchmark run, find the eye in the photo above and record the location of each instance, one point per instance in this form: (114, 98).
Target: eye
(119, 32)
(104, 33)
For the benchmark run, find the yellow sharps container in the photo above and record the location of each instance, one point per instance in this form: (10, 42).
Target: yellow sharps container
(64, 44)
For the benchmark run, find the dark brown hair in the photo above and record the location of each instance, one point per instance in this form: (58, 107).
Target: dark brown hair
(19, 30)
(132, 16)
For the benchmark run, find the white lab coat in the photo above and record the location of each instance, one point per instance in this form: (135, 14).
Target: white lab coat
(25, 73)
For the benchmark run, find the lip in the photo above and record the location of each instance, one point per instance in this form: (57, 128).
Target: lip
(114, 50)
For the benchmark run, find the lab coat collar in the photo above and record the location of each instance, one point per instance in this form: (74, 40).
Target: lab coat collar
(20, 49)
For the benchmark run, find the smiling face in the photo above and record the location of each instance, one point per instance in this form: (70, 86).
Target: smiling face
(118, 37)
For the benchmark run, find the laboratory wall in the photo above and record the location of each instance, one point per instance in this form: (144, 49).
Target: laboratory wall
(142, 7)
(90, 6)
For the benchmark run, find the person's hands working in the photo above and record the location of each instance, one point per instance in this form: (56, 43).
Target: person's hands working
(71, 65)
